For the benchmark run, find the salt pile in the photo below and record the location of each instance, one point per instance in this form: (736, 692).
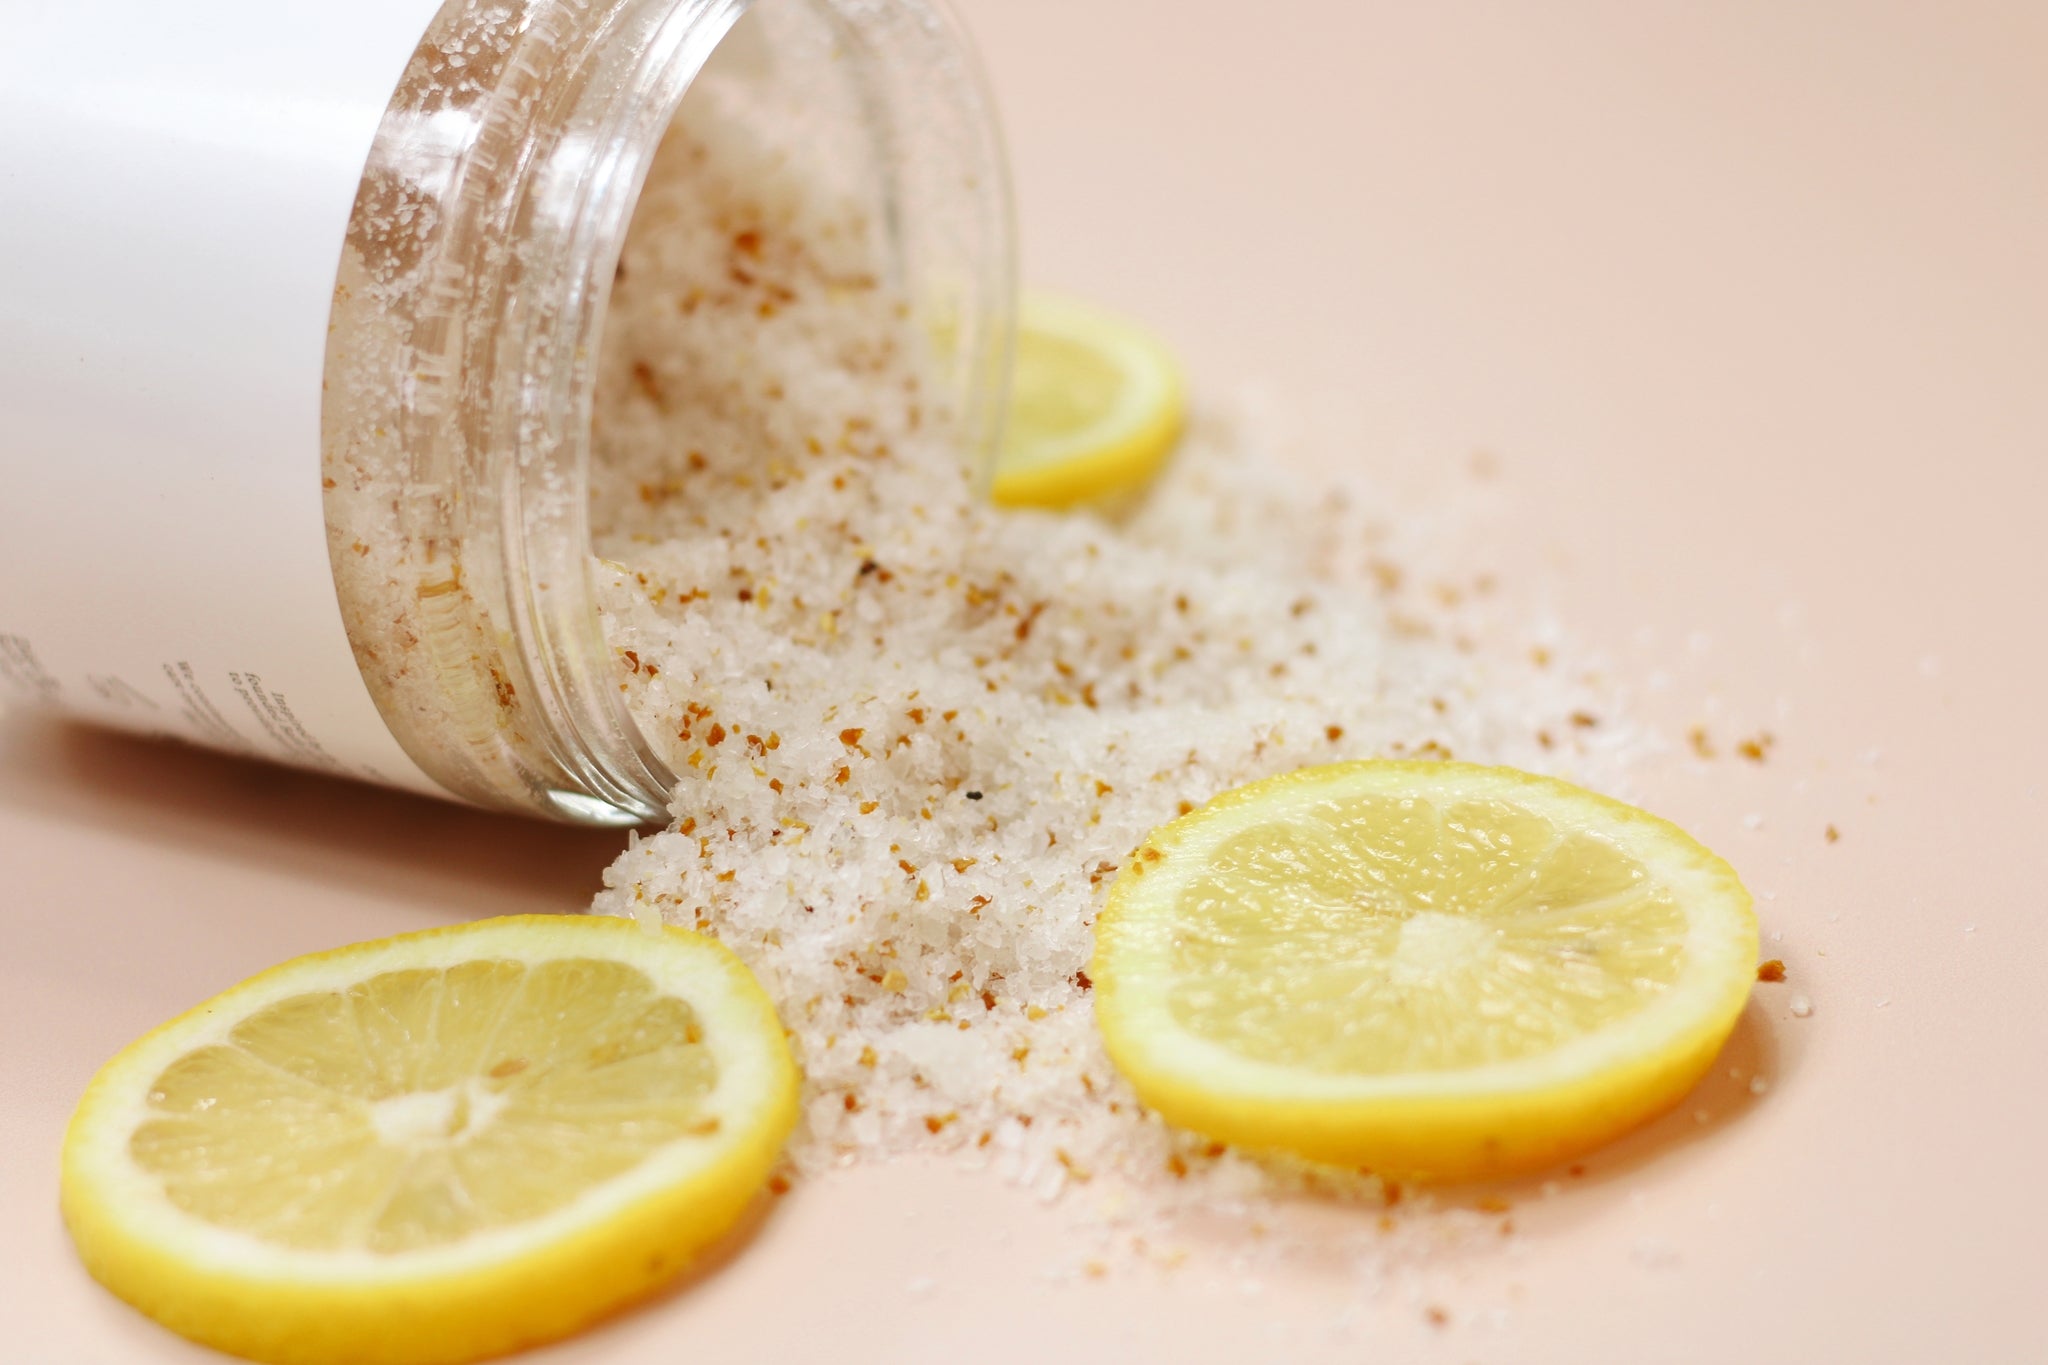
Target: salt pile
(916, 735)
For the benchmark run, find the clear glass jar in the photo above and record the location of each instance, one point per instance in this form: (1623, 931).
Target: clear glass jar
(461, 357)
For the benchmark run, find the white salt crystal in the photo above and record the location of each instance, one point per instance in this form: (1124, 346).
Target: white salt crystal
(1801, 1007)
(1653, 1253)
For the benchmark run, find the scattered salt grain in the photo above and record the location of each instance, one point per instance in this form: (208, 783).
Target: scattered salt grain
(1653, 1253)
(1801, 1007)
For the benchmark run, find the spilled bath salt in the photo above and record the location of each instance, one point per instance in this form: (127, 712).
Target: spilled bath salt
(916, 736)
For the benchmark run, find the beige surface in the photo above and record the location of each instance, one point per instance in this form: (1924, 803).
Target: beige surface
(1750, 303)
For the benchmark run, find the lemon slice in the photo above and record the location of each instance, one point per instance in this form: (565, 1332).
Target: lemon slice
(436, 1147)
(1427, 969)
(1096, 404)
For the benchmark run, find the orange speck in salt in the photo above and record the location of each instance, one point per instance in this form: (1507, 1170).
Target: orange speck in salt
(1333, 733)
(716, 737)
(842, 775)
(650, 387)
(867, 1057)
(1833, 835)
(870, 807)
(1773, 970)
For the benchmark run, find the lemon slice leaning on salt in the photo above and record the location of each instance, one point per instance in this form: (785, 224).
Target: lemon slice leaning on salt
(1428, 969)
(1096, 404)
(432, 1148)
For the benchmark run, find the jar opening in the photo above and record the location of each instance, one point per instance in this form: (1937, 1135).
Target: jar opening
(470, 339)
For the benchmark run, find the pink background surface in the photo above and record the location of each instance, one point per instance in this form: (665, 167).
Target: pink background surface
(1749, 304)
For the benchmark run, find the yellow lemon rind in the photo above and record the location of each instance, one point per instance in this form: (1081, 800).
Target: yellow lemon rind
(1487, 1122)
(273, 1304)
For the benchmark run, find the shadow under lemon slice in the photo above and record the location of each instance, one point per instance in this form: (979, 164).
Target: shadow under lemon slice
(432, 1148)
(1432, 970)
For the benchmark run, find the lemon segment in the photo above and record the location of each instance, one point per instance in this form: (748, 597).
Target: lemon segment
(432, 1148)
(1096, 404)
(1428, 969)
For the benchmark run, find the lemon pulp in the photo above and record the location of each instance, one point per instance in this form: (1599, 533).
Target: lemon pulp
(1096, 404)
(417, 1108)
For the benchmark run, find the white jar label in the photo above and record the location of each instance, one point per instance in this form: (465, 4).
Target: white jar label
(175, 181)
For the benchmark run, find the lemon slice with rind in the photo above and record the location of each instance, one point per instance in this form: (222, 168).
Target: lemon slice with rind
(1096, 404)
(1427, 969)
(432, 1148)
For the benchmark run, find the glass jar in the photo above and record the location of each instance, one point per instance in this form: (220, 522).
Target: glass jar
(454, 402)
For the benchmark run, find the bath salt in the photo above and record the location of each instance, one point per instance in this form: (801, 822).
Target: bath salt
(916, 735)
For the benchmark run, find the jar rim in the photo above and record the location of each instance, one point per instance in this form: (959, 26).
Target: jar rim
(499, 290)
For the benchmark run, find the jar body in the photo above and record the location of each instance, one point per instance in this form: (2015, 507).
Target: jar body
(456, 388)
(176, 184)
